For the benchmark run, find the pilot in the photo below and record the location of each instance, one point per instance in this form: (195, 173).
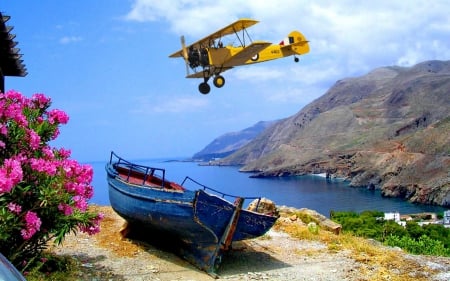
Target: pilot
(204, 59)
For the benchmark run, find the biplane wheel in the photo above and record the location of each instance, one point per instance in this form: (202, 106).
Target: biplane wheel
(296, 59)
(219, 81)
(204, 88)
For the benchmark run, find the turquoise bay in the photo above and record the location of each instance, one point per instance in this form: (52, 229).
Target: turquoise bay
(312, 192)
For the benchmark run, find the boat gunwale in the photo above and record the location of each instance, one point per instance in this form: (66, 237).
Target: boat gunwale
(145, 186)
(143, 196)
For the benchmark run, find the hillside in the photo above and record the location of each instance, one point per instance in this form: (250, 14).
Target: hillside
(389, 129)
(231, 142)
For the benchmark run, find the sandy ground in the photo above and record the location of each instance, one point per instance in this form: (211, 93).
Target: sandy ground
(275, 256)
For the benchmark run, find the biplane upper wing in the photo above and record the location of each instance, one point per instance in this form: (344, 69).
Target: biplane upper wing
(227, 30)
(246, 53)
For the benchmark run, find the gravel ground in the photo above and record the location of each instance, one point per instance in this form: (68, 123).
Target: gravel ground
(275, 256)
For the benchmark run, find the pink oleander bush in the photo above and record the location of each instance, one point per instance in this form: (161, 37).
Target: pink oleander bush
(43, 193)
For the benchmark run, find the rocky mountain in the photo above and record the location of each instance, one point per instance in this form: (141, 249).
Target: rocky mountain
(389, 129)
(231, 142)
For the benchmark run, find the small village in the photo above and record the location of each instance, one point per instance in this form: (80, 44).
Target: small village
(421, 218)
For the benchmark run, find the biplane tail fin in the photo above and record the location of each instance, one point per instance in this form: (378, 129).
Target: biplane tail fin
(296, 42)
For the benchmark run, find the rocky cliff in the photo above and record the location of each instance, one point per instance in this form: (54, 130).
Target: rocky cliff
(389, 129)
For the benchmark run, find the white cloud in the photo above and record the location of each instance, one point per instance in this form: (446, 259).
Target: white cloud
(363, 31)
(347, 38)
(257, 73)
(150, 104)
(70, 39)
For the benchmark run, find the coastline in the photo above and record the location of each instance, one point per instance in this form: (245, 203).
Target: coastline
(277, 256)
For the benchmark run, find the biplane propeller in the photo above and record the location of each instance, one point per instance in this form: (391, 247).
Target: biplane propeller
(185, 54)
(208, 57)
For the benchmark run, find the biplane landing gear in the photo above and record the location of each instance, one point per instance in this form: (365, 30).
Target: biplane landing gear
(204, 88)
(296, 59)
(219, 81)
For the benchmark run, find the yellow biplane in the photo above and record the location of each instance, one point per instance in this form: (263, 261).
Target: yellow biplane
(209, 57)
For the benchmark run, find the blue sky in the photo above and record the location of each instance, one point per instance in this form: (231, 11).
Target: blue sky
(106, 64)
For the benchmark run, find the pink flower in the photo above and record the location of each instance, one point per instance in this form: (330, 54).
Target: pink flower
(3, 129)
(26, 233)
(10, 174)
(88, 191)
(57, 116)
(48, 152)
(15, 96)
(75, 188)
(94, 227)
(64, 153)
(32, 220)
(66, 209)
(80, 203)
(32, 225)
(14, 168)
(56, 133)
(34, 139)
(40, 100)
(5, 183)
(81, 173)
(14, 208)
(91, 230)
(44, 166)
(12, 106)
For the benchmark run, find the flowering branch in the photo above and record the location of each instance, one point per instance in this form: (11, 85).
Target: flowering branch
(43, 193)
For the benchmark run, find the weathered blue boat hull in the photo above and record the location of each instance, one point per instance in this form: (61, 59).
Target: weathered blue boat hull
(201, 225)
(170, 217)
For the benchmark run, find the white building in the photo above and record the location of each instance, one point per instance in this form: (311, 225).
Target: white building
(392, 216)
(447, 218)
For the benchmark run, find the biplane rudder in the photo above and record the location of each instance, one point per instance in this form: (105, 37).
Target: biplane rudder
(297, 42)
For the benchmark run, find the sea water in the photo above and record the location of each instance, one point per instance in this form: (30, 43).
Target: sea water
(311, 191)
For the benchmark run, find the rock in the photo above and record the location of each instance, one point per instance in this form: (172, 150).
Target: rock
(322, 221)
(263, 206)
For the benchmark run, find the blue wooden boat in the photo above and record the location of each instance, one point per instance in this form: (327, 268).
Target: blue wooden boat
(201, 222)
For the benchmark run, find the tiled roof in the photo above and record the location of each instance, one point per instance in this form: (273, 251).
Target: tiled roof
(11, 63)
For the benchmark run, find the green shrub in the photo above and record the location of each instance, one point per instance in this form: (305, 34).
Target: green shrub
(424, 245)
(430, 239)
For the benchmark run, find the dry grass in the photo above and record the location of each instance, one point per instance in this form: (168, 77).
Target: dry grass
(110, 237)
(375, 261)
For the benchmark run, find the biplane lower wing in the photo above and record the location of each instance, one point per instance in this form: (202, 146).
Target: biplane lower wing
(201, 74)
(246, 53)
